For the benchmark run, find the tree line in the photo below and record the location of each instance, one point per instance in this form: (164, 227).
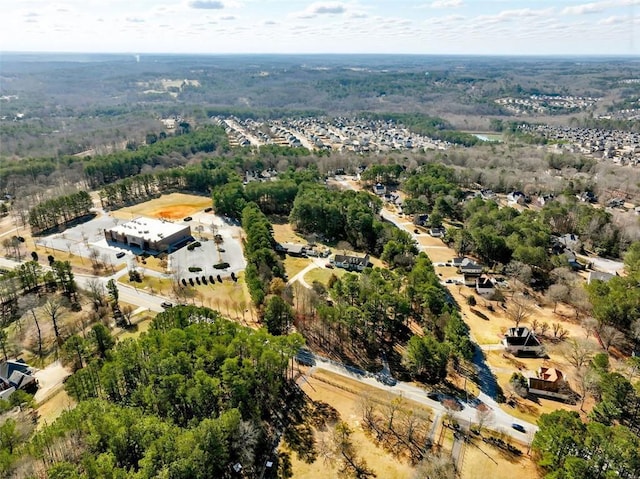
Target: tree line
(200, 178)
(101, 170)
(263, 263)
(59, 211)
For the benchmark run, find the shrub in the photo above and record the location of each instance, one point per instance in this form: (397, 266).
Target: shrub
(471, 300)
(194, 269)
(193, 245)
(222, 265)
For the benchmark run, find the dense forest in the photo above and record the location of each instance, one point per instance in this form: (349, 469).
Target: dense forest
(194, 397)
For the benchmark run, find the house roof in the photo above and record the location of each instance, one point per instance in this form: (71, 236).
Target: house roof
(484, 282)
(521, 336)
(550, 374)
(295, 248)
(347, 259)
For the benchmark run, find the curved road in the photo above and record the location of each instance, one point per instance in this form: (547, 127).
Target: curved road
(498, 420)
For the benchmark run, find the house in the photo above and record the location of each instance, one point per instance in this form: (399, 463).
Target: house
(457, 261)
(485, 286)
(574, 264)
(516, 198)
(469, 280)
(550, 382)
(350, 263)
(437, 232)
(588, 197)
(544, 199)
(420, 219)
(487, 194)
(521, 340)
(600, 276)
(570, 241)
(615, 203)
(470, 267)
(15, 375)
(292, 249)
(379, 189)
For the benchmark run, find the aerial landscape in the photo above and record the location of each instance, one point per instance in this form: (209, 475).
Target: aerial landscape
(320, 240)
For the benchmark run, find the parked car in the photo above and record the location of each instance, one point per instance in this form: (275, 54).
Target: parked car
(416, 231)
(166, 305)
(209, 209)
(386, 379)
(120, 255)
(328, 265)
(518, 427)
(188, 218)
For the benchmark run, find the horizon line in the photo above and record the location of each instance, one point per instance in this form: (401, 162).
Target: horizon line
(387, 54)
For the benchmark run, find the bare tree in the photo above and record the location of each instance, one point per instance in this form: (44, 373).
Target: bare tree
(53, 309)
(520, 308)
(435, 466)
(127, 312)
(483, 416)
(351, 465)
(610, 336)
(96, 293)
(585, 380)
(557, 293)
(577, 352)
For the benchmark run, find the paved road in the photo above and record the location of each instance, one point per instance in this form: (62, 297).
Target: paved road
(128, 294)
(499, 420)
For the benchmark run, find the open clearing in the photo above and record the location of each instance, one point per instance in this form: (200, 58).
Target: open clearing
(330, 390)
(322, 275)
(488, 462)
(173, 206)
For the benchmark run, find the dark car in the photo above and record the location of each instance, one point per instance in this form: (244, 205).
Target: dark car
(188, 218)
(518, 427)
(120, 255)
(166, 305)
(416, 231)
(328, 265)
(207, 210)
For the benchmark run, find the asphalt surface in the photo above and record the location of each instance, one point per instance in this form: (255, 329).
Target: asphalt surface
(498, 420)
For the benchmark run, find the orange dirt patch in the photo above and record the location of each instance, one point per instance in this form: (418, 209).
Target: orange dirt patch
(174, 212)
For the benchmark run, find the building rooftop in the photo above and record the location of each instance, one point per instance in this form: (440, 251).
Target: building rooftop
(149, 229)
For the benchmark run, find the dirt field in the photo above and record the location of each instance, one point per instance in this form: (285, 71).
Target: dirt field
(385, 465)
(283, 233)
(485, 462)
(174, 206)
(49, 411)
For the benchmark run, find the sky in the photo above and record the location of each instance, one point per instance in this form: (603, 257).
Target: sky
(478, 27)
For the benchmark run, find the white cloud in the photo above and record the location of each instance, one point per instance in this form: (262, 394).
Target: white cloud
(322, 8)
(228, 17)
(584, 9)
(206, 4)
(135, 20)
(446, 4)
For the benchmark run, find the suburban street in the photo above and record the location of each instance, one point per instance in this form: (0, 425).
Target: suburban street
(498, 420)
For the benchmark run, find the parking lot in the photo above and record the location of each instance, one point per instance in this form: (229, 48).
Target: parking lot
(81, 239)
